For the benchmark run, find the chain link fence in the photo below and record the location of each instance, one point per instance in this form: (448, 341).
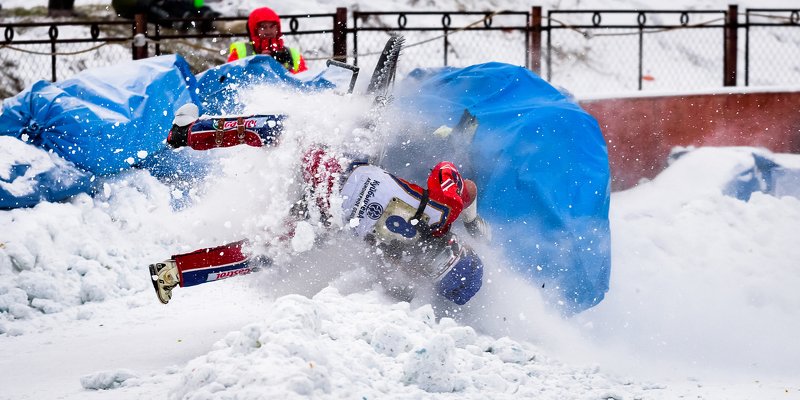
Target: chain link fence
(586, 51)
(616, 50)
(34, 51)
(311, 34)
(434, 39)
(772, 47)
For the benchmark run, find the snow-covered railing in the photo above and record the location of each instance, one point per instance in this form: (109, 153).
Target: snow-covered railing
(585, 51)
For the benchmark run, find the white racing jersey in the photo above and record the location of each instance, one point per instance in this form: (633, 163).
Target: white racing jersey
(377, 203)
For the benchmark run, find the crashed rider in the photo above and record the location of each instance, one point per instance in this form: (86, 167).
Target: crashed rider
(409, 223)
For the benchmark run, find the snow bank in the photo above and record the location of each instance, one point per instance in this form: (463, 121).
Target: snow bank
(703, 281)
(29, 175)
(362, 346)
(57, 255)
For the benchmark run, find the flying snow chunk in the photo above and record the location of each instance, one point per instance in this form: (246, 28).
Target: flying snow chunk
(303, 239)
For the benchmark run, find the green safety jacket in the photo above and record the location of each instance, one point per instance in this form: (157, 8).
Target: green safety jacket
(290, 57)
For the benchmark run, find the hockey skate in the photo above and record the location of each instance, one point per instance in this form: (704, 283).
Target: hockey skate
(165, 278)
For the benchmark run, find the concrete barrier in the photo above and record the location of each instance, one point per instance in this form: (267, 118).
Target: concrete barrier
(641, 131)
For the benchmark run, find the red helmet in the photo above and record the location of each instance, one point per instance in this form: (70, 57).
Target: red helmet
(264, 14)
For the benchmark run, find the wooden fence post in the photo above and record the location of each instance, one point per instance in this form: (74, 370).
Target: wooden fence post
(731, 39)
(340, 35)
(535, 42)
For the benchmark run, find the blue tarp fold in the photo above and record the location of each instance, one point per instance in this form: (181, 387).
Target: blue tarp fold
(102, 121)
(767, 175)
(105, 119)
(218, 88)
(541, 166)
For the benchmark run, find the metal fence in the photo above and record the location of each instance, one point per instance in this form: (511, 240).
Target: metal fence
(443, 38)
(643, 44)
(49, 50)
(585, 51)
(310, 32)
(772, 46)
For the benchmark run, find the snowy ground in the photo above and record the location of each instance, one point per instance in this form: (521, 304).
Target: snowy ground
(703, 300)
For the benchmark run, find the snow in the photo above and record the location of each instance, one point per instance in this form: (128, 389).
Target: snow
(14, 152)
(703, 300)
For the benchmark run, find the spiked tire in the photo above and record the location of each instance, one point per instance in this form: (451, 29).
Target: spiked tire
(386, 68)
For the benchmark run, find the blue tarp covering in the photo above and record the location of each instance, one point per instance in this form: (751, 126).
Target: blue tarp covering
(105, 119)
(767, 176)
(102, 120)
(29, 175)
(541, 166)
(219, 87)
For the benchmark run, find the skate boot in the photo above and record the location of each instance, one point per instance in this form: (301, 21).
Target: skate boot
(165, 278)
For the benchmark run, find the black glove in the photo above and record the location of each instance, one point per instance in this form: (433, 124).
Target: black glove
(178, 136)
(284, 57)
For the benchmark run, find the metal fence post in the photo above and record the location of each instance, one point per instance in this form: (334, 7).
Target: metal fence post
(535, 43)
(53, 34)
(549, 48)
(747, 48)
(340, 35)
(731, 38)
(355, 37)
(139, 27)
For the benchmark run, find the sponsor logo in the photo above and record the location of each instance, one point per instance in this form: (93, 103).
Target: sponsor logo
(367, 193)
(228, 274)
(232, 123)
(374, 211)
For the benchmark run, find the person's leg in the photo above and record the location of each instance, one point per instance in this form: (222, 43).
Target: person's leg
(322, 172)
(201, 266)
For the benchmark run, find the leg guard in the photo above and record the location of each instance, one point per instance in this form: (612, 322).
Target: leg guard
(215, 263)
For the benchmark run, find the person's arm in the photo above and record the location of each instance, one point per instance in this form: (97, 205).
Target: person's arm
(301, 64)
(476, 226)
(204, 134)
(239, 50)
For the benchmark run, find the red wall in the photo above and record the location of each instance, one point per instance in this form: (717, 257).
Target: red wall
(641, 131)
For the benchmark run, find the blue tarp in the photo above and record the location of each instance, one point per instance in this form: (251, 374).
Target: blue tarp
(102, 121)
(767, 176)
(219, 87)
(105, 120)
(541, 166)
(29, 175)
